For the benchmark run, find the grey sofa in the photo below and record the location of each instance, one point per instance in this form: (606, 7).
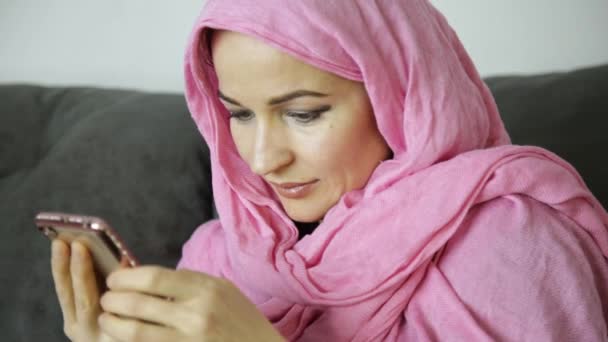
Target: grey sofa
(136, 159)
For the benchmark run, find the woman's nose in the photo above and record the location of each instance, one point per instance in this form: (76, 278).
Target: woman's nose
(271, 151)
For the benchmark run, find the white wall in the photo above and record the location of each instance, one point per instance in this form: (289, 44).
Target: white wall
(139, 43)
(126, 43)
(527, 36)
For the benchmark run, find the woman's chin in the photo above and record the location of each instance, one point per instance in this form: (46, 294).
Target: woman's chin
(304, 214)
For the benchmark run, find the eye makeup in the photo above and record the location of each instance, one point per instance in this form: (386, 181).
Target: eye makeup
(303, 116)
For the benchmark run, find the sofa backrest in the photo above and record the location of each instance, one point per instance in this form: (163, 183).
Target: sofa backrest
(566, 113)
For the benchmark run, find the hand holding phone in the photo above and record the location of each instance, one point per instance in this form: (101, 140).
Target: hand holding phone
(107, 249)
(84, 251)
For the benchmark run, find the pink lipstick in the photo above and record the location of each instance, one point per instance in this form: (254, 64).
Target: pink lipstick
(294, 190)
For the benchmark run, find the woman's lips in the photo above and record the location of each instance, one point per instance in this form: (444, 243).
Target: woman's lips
(294, 190)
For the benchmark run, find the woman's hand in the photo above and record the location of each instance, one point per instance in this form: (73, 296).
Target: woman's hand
(77, 291)
(201, 308)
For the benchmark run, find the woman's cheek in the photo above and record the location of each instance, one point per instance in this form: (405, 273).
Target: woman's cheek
(243, 141)
(332, 153)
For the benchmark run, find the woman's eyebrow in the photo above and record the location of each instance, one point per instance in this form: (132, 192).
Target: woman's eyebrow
(293, 95)
(279, 99)
(227, 99)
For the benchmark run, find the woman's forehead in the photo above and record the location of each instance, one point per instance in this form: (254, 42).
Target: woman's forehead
(242, 61)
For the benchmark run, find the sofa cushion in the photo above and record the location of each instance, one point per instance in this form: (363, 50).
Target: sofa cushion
(133, 158)
(566, 113)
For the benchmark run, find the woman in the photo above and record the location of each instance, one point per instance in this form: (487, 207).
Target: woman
(366, 190)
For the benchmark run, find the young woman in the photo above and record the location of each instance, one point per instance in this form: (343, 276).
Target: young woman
(366, 190)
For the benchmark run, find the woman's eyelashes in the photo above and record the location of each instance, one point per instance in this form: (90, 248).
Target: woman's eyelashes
(307, 116)
(299, 116)
(241, 115)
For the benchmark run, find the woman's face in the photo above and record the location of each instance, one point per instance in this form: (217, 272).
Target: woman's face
(309, 133)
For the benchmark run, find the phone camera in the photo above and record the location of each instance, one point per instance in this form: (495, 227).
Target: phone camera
(50, 232)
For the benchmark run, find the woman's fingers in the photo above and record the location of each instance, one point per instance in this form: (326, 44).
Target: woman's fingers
(145, 307)
(125, 329)
(160, 281)
(84, 283)
(60, 266)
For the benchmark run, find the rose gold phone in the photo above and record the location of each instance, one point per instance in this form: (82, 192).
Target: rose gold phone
(105, 246)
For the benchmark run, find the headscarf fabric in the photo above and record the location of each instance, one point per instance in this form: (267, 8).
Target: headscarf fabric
(353, 277)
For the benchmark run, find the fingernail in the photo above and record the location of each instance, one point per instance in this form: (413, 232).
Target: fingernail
(55, 248)
(76, 248)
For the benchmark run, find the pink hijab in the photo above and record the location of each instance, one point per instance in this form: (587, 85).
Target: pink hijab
(354, 276)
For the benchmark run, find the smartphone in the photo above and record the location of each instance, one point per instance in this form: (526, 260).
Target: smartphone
(107, 249)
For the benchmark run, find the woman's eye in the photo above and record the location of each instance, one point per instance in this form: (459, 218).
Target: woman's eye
(308, 116)
(241, 115)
